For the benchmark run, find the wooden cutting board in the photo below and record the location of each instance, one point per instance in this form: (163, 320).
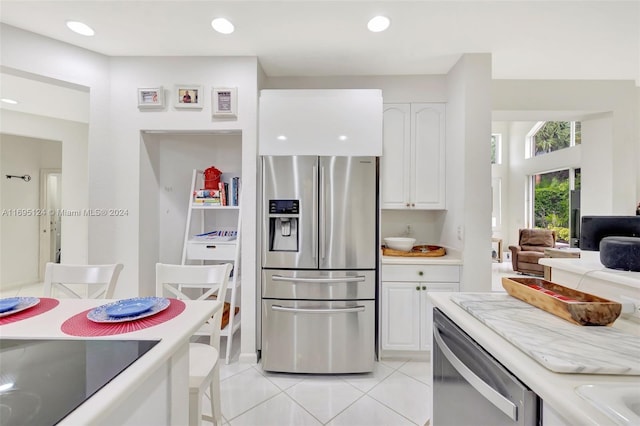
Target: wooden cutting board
(417, 251)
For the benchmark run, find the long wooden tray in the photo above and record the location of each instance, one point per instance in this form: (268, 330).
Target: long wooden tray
(417, 251)
(569, 304)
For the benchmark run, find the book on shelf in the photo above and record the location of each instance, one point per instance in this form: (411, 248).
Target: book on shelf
(217, 235)
(235, 190)
(207, 201)
(206, 193)
(223, 193)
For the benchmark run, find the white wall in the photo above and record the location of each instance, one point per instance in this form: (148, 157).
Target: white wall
(26, 53)
(619, 98)
(73, 135)
(118, 160)
(20, 239)
(501, 172)
(597, 167)
(468, 222)
(133, 167)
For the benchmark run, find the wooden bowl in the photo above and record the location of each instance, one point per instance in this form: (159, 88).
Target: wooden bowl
(569, 304)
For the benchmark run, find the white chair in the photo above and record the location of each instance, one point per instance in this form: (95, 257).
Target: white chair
(81, 281)
(199, 282)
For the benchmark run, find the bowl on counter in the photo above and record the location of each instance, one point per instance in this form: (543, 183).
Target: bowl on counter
(400, 243)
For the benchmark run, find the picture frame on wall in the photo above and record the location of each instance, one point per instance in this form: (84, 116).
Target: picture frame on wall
(151, 97)
(188, 96)
(224, 102)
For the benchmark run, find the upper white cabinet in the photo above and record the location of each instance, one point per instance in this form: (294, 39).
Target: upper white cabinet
(413, 158)
(320, 122)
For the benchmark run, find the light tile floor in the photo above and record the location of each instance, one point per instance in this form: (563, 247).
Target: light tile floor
(396, 393)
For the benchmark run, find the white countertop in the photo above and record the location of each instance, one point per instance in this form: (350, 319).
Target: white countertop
(589, 265)
(173, 334)
(556, 389)
(452, 257)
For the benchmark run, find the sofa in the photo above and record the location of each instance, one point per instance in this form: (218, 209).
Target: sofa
(530, 248)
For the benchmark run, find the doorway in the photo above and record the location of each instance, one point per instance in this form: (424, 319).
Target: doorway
(50, 224)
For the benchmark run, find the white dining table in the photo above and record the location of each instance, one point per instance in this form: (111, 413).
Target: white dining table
(154, 390)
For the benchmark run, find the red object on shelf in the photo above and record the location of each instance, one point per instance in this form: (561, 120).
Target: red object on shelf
(212, 178)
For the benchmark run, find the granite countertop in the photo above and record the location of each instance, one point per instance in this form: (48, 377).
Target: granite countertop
(452, 257)
(556, 389)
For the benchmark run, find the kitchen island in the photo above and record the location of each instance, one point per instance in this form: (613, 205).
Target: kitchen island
(556, 390)
(154, 389)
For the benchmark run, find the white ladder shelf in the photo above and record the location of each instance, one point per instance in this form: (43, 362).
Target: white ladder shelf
(216, 251)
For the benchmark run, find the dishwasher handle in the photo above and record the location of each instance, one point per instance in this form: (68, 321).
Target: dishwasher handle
(489, 393)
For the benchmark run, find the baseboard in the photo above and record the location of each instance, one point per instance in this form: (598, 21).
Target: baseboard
(248, 358)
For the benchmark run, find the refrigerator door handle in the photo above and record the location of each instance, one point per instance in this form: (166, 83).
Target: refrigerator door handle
(314, 235)
(319, 310)
(323, 215)
(356, 279)
(490, 394)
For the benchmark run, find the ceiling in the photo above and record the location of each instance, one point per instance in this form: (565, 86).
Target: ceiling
(527, 39)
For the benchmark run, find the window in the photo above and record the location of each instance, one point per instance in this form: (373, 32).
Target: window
(496, 148)
(550, 136)
(551, 208)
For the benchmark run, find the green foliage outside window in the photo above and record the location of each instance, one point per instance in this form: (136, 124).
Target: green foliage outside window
(551, 204)
(552, 136)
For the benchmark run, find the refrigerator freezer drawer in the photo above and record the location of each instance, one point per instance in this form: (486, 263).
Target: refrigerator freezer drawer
(318, 285)
(318, 337)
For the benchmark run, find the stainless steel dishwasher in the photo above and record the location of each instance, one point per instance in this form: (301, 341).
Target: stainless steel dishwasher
(470, 387)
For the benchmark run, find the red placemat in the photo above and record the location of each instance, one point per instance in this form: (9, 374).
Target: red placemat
(46, 304)
(80, 325)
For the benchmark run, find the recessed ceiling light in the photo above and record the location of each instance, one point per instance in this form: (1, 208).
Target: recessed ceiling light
(281, 138)
(222, 25)
(80, 28)
(343, 137)
(378, 23)
(9, 101)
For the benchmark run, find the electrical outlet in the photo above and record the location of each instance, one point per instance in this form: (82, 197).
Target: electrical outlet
(460, 232)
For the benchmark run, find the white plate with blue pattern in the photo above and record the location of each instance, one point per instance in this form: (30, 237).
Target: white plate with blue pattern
(128, 309)
(23, 303)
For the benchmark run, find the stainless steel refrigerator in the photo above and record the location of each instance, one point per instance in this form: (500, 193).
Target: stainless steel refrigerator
(319, 263)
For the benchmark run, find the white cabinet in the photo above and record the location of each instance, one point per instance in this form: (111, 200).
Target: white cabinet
(413, 156)
(342, 122)
(405, 323)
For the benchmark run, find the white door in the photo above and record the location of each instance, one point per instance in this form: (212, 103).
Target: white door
(428, 156)
(50, 223)
(426, 316)
(394, 170)
(400, 312)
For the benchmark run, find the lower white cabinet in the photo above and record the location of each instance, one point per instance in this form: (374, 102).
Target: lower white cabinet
(405, 321)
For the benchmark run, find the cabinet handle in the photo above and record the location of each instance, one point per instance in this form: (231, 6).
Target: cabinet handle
(420, 273)
(424, 287)
(418, 287)
(408, 205)
(413, 204)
